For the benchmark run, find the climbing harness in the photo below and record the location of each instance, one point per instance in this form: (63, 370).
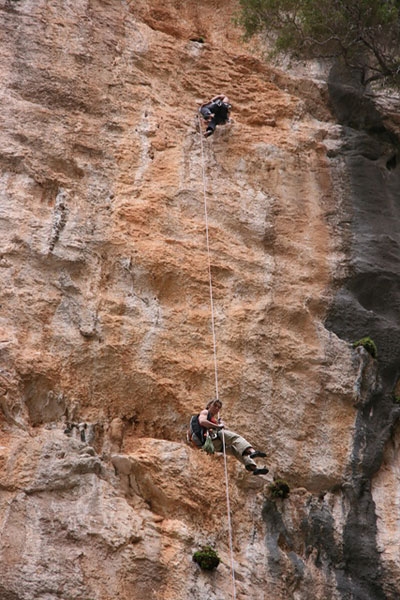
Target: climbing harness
(228, 505)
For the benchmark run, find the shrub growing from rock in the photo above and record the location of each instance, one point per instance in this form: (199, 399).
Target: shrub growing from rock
(207, 558)
(368, 344)
(279, 489)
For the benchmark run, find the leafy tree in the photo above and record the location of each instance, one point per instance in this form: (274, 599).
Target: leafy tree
(365, 33)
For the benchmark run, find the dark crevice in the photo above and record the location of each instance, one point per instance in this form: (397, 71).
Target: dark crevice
(391, 163)
(368, 304)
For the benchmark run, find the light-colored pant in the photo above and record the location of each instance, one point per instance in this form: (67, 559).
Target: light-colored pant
(235, 444)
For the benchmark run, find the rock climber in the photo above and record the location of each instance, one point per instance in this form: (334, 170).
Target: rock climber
(234, 443)
(215, 112)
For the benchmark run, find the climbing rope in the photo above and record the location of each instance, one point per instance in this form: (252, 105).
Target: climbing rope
(209, 263)
(228, 512)
(228, 504)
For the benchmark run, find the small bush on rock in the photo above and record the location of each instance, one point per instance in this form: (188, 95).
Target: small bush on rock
(279, 489)
(368, 344)
(206, 558)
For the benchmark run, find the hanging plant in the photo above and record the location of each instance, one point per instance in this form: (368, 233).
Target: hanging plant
(206, 558)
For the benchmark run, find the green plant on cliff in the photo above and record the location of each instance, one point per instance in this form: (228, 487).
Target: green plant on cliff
(368, 344)
(207, 558)
(279, 489)
(364, 33)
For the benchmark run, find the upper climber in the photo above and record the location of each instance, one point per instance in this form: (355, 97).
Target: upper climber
(207, 423)
(215, 112)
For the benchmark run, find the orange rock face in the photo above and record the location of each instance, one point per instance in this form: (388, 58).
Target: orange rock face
(106, 340)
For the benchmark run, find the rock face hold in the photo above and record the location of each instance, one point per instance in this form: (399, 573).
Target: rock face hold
(106, 347)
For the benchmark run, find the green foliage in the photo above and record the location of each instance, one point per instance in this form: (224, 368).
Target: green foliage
(396, 399)
(365, 33)
(368, 344)
(206, 558)
(279, 489)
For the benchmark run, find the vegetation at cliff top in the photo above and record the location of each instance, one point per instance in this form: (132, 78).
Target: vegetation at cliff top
(207, 558)
(368, 344)
(364, 33)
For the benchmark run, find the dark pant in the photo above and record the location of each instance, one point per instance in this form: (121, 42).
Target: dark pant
(211, 125)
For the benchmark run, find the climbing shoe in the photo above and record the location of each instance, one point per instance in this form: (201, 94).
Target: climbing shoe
(262, 471)
(258, 454)
(208, 132)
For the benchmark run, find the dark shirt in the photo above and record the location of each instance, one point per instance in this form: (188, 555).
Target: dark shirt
(220, 110)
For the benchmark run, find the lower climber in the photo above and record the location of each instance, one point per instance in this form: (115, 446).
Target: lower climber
(234, 443)
(215, 112)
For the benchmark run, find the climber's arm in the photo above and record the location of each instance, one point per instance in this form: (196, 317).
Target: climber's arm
(204, 422)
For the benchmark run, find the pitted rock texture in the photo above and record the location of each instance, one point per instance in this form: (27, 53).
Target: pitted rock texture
(106, 346)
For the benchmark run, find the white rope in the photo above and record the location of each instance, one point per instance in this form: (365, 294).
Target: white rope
(209, 264)
(228, 504)
(228, 511)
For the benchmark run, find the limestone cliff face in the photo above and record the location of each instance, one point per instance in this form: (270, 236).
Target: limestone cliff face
(106, 346)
